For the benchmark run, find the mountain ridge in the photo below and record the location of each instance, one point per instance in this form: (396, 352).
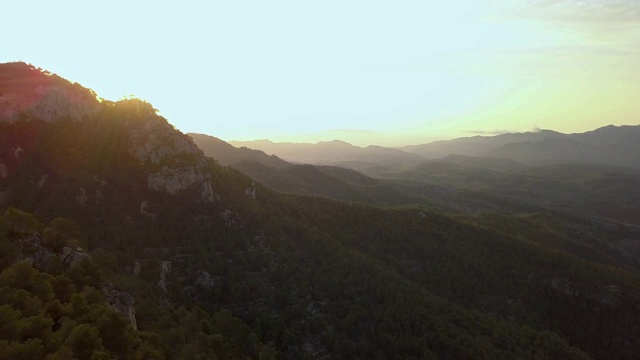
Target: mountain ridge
(605, 145)
(330, 152)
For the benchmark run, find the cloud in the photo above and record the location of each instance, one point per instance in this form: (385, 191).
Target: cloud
(489, 132)
(604, 12)
(501, 131)
(604, 28)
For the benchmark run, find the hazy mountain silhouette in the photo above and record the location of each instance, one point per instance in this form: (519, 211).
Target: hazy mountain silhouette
(330, 181)
(613, 145)
(457, 183)
(475, 145)
(227, 154)
(331, 152)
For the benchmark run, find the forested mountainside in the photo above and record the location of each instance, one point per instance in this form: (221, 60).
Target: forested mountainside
(453, 184)
(189, 259)
(321, 180)
(597, 192)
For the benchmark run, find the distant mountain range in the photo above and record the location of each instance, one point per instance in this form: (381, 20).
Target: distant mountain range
(227, 154)
(334, 152)
(322, 180)
(459, 183)
(612, 145)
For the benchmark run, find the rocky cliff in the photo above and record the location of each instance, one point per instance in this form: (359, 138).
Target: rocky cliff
(27, 91)
(172, 162)
(175, 163)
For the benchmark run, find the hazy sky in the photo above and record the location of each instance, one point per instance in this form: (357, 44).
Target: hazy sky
(383, 72)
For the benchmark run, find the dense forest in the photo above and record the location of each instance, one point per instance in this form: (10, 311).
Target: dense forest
(120, 239)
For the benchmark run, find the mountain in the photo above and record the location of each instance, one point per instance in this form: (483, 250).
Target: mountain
(454, 184)
(43, 95)
(216, 265)
(334, 152)
(227, 154)
(330, 181)
(476, 145)
(612, 145)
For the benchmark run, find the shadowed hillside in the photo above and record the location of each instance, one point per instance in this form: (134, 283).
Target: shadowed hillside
(330, 181)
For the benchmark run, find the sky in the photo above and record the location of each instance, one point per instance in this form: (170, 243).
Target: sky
(389, 73)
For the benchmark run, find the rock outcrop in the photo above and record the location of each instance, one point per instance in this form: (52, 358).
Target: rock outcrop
(173, 179)
(251, 191)
(231, 219)
(71, 257)
(174, 162)
(120, 301)
(31, 92)
(38, 256)
(42, 257)
(47, 103)
(204, 280)
(165, 268)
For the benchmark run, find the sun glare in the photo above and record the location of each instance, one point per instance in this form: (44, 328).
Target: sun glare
(286, 70)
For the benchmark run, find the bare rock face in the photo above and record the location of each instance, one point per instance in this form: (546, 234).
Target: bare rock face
(41, 259)
(165, 268)
(204, 280)
(26, 90)
(155, 140)
(231, 219)
(120, 301)
(173, 179)
(47, 103)
(71, 257)
(38, 256)
(175, 161)
(251, 191)
(207, 192)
